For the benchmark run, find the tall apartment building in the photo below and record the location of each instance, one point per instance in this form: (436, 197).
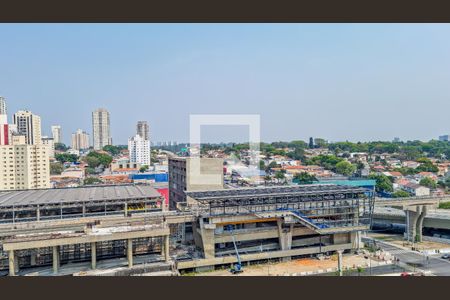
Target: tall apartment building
(182, 178)
(142, 129)
(49, 142)
(139, 150)
(101, 128)
(80, 140)
(56, 134)
(3, 106)
(24, 167)
(5, 132)
(29, 125)
(444, 138)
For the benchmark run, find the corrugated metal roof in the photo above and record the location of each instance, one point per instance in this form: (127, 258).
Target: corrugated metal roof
(78, 194)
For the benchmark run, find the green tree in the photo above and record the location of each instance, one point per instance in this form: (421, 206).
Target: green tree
(262, 165)
(345, 168)
(143, 169)
(400, 194)
(56, 168)
(66, 157)
(96, 159)
(279, 176)
(91, 180)
(61, 147)
(304, 178)
(428, 182)
(113, 150)
(383, 183)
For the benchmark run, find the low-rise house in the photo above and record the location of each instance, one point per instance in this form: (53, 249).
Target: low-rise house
(415, 189)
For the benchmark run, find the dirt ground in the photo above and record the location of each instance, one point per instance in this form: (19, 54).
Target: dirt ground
(293, 266)
(399, 240)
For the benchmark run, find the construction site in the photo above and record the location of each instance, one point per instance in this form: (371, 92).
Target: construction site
(127, 230)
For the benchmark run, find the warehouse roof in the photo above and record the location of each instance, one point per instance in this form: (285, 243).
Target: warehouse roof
(77, 194)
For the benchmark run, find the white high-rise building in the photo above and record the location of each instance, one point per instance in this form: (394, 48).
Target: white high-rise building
(56, 134)
(80, 140)
(49, 142)
(142, 130)
(101, 128)
(139, 150)
(24, 167)
(3, 106)
(29, 125)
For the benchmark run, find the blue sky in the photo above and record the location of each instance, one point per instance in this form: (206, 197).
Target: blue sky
(336, 81)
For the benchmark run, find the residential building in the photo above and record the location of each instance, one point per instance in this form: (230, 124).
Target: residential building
(17, 139)
(139, 150)
(444, 138)
(49, 142)
(5, 133)
(24, 167)
(56, 134)
(183, 177)
(101, 133)
(3, 110)
(80, 140)
(142, 129)
(415, 189)
(29, 125)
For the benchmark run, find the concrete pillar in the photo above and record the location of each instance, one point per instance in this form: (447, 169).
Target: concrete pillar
(339, 252)
(93, 255)
(285, 235)
(166, 248)
(125, 209)
(411, 223)
(130, 252)
(419, 224)
(13, 266)
(84, 210)
(33, 257)
(55, 259)
(38, 214)
(208, 241)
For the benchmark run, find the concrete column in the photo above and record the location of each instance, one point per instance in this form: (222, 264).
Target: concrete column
(208, 241)
(125, 209)
(55, 259)
(93, 255)
(339, 252)
(166, 248)
(411, 223)
(419, 224)
(84, 210)
(285, 235)
(33, 257)
(12, 263)
(130, 252)
(38, 214)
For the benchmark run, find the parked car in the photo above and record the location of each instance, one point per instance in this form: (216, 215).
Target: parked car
(446, 256)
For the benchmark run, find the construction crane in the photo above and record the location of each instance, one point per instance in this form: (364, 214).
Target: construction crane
(237, 268)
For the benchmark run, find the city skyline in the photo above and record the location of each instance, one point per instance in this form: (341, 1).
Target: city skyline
(339, 82)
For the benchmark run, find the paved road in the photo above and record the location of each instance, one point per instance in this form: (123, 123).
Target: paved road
(434, 264)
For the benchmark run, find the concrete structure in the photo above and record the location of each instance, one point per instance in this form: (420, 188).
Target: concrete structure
(56, 134)
(49, 142)
(29, 125)
(139, 150)
(5, 133)
(101, 128)
(24, 167)
(80, 140)
(142, 129)
(3, 110)
(182, 177)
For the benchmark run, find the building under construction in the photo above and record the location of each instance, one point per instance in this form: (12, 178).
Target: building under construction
(94, 229)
